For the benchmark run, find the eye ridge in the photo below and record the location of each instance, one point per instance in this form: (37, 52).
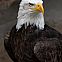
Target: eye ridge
(31, 3)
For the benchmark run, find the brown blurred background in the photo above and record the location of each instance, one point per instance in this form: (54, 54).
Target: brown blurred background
(8, 14)
(53, 13)
(8, 17)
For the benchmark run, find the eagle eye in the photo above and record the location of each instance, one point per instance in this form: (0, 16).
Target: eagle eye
(31, 4)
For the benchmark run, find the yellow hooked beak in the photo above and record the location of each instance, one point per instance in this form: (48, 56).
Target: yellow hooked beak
(39, 8)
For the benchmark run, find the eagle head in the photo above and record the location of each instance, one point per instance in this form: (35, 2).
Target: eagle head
(31, 12)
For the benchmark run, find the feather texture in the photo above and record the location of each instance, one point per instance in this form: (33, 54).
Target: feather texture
(28, 16)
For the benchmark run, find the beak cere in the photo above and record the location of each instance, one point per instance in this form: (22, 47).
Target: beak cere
(39, 8)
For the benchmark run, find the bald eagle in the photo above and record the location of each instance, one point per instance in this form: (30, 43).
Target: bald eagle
(31, 40)
(31, 12)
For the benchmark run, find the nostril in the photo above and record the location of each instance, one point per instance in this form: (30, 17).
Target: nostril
(38, 5)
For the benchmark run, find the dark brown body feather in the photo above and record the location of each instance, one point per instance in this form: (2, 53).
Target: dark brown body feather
(47, 44)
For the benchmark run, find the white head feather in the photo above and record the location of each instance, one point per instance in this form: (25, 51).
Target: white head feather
(27, 15)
